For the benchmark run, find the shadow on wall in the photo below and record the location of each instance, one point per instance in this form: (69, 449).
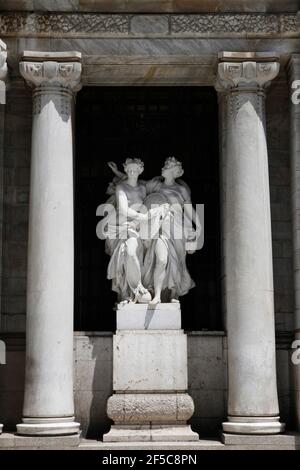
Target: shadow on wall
(207, 381)
(12, 380)
(93, 382)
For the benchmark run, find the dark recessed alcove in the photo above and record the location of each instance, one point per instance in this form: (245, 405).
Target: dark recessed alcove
(152, 123)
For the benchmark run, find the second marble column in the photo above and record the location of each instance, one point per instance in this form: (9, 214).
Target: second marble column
(252, 391)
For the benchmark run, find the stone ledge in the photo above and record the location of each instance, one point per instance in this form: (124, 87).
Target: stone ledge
(203, 444)
(288, 440)
(39, 56)
(150, 6)
(10, 440)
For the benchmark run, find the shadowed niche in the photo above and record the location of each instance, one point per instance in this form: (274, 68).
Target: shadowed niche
(151, 123)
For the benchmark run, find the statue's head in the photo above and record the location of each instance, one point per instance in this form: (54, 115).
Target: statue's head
(172, 166)
(133, 166)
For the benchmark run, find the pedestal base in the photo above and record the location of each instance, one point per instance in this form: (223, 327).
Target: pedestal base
(150, 408)
(255, 425)
(153, 433)
(48, 427)
(150, 400)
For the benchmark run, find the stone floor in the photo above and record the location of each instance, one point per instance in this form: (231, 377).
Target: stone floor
(288, 441)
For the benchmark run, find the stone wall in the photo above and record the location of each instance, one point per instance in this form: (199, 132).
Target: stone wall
(277, 114)
(150, 5)
(207, 378)
(16, 192)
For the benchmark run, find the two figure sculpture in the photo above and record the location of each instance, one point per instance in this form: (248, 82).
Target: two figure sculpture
(148, 231)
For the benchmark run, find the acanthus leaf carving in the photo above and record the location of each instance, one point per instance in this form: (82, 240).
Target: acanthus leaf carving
(250, 73)
(52, 73)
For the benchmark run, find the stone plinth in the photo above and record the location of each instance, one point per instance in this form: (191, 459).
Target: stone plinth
(149, 317)
(150, 402)
(150, 360)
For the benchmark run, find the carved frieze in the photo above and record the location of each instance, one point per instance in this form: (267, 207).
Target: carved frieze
(99, 24)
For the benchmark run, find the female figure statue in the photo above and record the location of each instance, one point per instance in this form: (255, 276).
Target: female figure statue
(126, 248)
(165, 269)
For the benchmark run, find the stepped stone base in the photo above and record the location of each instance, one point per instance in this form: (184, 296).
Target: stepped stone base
(154, 433)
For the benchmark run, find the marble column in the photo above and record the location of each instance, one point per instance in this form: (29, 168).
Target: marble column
(294, 75)
(252, 391)
(48, 400)
(3, 79)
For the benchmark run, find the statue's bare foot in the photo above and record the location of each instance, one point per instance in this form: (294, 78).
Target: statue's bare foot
(126, 301)
(144, 298)
(174, 301)
(156, 300)
(142, 295)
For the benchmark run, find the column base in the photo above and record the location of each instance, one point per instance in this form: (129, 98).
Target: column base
(253, 425)
(150, 432)
(48, 427)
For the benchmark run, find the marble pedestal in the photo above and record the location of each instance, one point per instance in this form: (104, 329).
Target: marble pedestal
(150, 400)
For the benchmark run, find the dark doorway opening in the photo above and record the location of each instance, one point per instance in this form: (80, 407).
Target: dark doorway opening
(151, 123)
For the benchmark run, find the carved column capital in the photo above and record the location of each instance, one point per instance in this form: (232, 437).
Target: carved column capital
(237, 71)
(3, 71)
(54, 69)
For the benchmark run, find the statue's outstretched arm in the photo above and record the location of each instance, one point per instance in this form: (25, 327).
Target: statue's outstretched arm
(114, 168)
(111, 190)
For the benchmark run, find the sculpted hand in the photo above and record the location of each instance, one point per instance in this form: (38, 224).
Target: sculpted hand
(112, 166)
(142, 217)
(165, 208)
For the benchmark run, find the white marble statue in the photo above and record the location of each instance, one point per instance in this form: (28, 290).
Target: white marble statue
(148, 256)
(126, 247)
